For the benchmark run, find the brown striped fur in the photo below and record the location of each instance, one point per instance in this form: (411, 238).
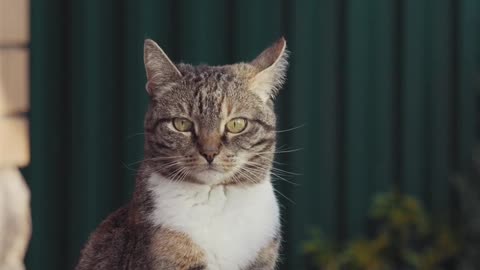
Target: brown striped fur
(267, 257)
(173, 250)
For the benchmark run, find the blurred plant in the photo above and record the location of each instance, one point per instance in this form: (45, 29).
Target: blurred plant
(403, 238)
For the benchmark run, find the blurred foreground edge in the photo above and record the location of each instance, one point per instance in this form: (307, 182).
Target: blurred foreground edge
(15, 218)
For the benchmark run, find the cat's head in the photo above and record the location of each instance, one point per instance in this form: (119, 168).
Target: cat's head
(212, 124)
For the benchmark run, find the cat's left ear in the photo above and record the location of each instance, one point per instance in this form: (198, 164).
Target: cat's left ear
(159, 68)
(271, 67)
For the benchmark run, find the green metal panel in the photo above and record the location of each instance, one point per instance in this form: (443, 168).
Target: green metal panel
(358, 92)
(94, 124)
(302, 80)
(204, 38)
(133, 101)
(254, 24)
(414, 134)
(440, 107)
(380, 97)
(314, 85)
(469, 55)
(48, 171)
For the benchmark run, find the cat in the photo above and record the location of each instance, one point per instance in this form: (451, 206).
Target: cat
(203, 197)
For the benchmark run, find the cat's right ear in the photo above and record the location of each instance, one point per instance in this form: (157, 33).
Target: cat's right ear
(159, 68)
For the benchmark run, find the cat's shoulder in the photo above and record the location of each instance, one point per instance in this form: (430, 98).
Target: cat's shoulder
(105, 244)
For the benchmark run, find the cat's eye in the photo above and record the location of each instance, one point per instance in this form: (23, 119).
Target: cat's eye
(182, 124)
(236, 125)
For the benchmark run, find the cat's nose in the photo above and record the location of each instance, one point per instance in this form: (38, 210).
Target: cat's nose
(209, 154)
(209, 145)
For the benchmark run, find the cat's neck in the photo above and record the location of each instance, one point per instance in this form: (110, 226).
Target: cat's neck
(149, 185)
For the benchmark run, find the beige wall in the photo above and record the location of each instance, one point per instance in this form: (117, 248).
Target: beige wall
(14, 99)
(15, 223)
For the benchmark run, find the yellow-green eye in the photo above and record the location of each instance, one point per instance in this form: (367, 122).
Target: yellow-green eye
(236, 125)
(182, 124)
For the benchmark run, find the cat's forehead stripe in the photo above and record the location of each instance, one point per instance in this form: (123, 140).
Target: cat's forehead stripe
(209, 91)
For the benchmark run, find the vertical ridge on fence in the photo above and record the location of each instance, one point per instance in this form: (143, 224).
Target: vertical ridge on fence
(380, 100)
(302, 84)
(414, 96)
(48, 171)
(132, 94)
(94, 125)
(469, 77)
(358, 92)
(440, 109)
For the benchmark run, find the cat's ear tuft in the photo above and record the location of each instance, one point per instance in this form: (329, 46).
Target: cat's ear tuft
(271, 67)
(159, 68)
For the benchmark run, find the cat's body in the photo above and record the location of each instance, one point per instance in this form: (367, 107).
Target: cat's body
(203, 197)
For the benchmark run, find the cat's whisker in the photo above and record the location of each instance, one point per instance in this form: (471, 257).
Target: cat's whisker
(254, 171)
(281, 151)
(236, 179)
(262, 169)
(269, 159)
(166, 158)
(278, 162)
(281, 194)
(128, 167)
(252, 175)
(291, 129)
(164, 166)
(286, 172)
(285, 180)
(278, 170)
(180, 176)
(174, 175)
(243, 174)
(157, 159)
(134, 135)
(185, 173)
(281, 146)
(150, 170)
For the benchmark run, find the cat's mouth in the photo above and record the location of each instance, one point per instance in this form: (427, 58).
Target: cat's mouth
(211, 168)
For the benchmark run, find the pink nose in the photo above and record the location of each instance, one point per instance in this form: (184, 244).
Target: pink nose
(209, 155)
(209, 144)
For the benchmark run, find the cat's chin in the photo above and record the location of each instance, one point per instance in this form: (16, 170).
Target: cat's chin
(210, 177)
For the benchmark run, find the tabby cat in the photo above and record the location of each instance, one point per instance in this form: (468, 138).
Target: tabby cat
(203, 197)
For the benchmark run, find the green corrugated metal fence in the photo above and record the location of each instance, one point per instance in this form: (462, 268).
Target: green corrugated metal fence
(384, 91)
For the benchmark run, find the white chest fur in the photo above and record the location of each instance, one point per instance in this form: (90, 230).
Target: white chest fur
(231, 224)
